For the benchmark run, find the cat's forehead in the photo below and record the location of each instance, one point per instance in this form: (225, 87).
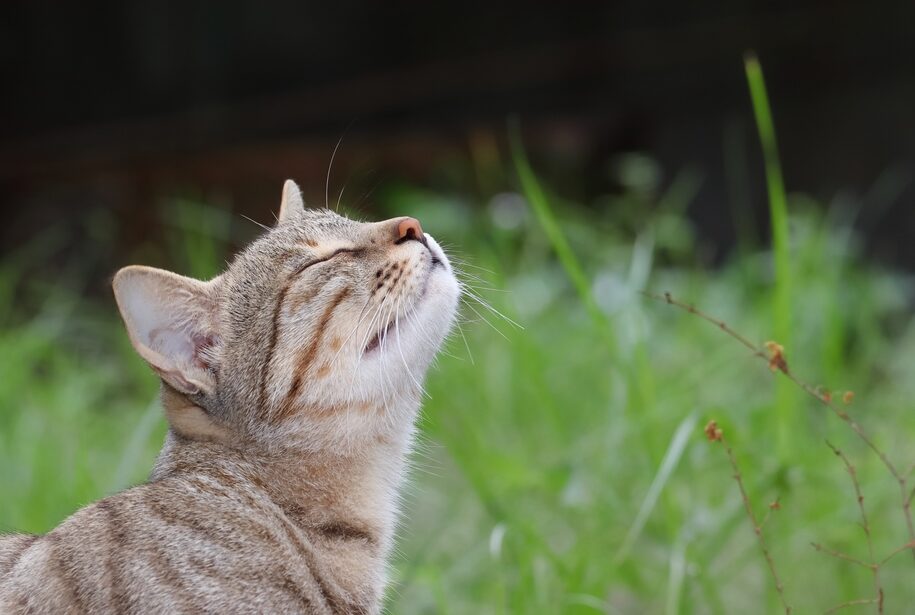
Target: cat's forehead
(325, 220)
(313, 227)
(311, 231)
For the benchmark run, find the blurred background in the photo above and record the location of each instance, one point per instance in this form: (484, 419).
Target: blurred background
(563, 467)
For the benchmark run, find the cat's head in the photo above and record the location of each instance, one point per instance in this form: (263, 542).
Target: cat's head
(318, 334)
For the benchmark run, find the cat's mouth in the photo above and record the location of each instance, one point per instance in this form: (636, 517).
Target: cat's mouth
(390, 329)
(375, 342)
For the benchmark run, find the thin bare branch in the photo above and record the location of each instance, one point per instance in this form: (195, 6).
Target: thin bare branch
(911, 469)
(865, 524)
(668, 298)
(757, 526)
(840, 555)
(850, 603)
(777, 362)
(897, 551)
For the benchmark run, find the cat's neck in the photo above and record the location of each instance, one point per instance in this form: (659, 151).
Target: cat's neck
(354, 491)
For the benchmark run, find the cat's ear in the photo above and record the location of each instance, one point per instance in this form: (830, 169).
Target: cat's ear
(291, 205)
(171, 321)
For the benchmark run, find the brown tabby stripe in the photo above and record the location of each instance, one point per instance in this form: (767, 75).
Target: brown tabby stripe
(262, 385)
(227, 482)
(120, 596)
(257, 577)
(331, 595)
(271, 348)
(64, 571)
(160, 562)
(222, 477)
(205, 487)
(170, 518)
(331, 599)
(299, 301)
(23, 547)
(257, 481)
(308, 357)
(346, 531)
(294, 589)
(225, 479)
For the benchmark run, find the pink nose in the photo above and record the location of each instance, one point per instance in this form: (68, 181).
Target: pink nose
(409, 228)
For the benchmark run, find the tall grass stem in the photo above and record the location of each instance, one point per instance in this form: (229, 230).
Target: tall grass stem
(778, 211)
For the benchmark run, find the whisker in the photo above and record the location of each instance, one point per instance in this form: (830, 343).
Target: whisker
(403, 359)
(494, 328)
(466, 344)
(463, 264)
(368, 193)
(362, 315)
(361, 347)
(339, 197)
(266, 228)
(425, 334)
(331, 164)
(477, 287)
(369, 331)
(471, 294)
(382, 347)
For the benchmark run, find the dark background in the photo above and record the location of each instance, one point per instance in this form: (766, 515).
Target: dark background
(113, 107)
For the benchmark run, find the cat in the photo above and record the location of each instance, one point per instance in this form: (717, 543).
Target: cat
(291, 384)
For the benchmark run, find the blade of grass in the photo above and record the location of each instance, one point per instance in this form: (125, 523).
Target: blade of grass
(677, 561)
(539, 202)
(671, 458)
(778, 211)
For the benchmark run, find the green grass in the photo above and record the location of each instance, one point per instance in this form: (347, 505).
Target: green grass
(561, 470)
(562, 467)
(778, 212)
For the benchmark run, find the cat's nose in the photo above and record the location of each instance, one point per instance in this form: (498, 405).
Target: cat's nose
(409, 228)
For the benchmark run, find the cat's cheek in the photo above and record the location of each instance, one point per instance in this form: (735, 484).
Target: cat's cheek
(443, 296)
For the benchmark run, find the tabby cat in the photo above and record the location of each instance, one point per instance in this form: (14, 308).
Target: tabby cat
(291, 384)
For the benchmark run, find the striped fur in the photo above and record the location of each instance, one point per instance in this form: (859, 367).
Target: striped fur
(291, 385)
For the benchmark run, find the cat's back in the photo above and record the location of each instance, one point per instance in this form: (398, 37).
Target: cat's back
(177, 545)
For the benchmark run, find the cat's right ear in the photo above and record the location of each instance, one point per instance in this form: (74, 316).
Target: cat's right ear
(291, 205)
(171, 321)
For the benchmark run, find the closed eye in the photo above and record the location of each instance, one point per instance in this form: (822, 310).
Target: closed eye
(337, 252)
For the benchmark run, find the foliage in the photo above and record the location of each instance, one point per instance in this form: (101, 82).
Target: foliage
(562, 466)
(559, 472)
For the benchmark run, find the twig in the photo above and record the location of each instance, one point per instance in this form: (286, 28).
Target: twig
(910, 470)
(865, 525)
(845, 605)
(668, 298)
(765, 519)
(714, 434)
(875, 565)
(840, 555)
(777, 363)
(897, 551)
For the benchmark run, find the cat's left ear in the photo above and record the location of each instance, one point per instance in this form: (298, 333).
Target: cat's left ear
(171, 321)
(292, 205)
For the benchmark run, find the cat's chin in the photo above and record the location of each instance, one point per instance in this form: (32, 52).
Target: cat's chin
(432, 310)
(391, 332)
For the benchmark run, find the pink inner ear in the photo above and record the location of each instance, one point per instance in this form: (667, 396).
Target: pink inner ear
(182, 347)
(203, 345)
